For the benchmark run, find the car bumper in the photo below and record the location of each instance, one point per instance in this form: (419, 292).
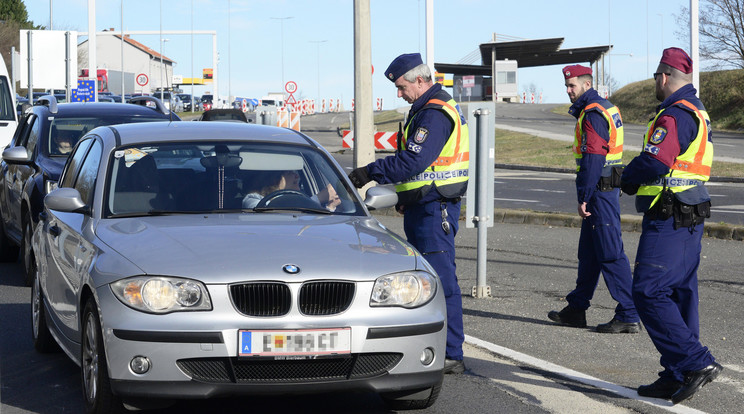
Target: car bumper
(195, 354)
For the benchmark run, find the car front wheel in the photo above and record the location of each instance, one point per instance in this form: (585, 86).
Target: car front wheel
(99, 398)
(27, 250)
(43, 340)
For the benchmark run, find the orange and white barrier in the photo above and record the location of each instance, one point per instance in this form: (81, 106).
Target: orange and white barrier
(282, 118)
(383, 140)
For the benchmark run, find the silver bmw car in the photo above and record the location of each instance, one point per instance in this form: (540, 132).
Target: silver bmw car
(195, 260)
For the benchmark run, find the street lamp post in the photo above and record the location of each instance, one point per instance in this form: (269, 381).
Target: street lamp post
(163, 83)
(281, 20)
(318, 42)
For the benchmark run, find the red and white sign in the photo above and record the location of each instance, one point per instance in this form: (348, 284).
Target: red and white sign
(142, 79)
(290, 87)
(383, 140)
(468, 81)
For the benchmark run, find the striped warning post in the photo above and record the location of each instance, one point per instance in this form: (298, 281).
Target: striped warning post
(294, 120)
(282, 118)
(383, 140)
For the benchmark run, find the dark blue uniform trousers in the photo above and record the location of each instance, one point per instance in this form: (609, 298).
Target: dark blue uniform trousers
(423, 226)
(665, 291)
(601, 250)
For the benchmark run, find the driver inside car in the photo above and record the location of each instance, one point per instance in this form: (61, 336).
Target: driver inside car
(268, 182)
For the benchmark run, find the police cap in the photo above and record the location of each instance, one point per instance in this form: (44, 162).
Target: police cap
(403, 64)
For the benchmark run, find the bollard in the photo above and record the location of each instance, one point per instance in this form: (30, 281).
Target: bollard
(483, 215)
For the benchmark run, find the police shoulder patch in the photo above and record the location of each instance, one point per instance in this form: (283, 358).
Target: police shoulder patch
(658, 136)
(420, 135)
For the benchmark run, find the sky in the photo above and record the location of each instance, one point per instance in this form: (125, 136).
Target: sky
(263, 44)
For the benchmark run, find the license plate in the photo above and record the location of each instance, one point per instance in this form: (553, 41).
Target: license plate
(294, 342)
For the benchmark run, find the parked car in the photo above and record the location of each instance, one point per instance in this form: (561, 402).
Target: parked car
(206, 101)
(170, 295)
(32, 162)
(8, 109)
(170, 100)
(186, 99)
(234, 115)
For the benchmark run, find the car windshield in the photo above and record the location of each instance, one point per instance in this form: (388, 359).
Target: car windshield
(202, 177)
(64, 133)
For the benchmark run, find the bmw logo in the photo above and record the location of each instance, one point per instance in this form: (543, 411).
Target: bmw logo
(291, 269)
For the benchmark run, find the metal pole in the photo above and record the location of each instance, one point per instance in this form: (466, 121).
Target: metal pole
(122, 52)
(364, 147)
(192, 57)
(483, 213)
(695, 44)
(29, 37)
(68, 87)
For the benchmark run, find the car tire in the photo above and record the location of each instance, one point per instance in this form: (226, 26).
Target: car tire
(26, 250)
(99, 399)
(43, 340)
(394, 402)
(8, 251)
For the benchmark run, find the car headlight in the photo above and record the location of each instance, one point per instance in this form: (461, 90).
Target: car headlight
(160, 294)
(405, 289)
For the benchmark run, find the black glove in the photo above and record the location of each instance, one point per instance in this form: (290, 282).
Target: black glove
(359, 177)
(629, 189)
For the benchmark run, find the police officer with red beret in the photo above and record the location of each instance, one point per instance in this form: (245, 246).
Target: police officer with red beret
(430, 169)
(598, 148)
(668, 178)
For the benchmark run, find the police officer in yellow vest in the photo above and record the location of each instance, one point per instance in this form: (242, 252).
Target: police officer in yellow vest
(668, 177)
(430, 170)
(598, 147)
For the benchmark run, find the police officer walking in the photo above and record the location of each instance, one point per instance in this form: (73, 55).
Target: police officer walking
(598, 147)
(430, 171)
(668, 178)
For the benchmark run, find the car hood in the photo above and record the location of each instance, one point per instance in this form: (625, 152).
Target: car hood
(226, 248)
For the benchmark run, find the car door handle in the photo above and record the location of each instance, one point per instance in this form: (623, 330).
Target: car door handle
(54, 231)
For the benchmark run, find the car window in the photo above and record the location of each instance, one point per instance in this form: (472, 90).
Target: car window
(7, 111)
(20, 133)
(86, 178)
(64, 133)
(32, 138)
(209, 176)
(68, 173)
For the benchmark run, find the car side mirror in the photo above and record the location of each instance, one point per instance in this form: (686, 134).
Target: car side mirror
(380, 197)
(66, 200)
(17, 155)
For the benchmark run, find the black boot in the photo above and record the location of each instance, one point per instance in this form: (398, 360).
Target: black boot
(616, 326)
(661, 388)
(569, 316)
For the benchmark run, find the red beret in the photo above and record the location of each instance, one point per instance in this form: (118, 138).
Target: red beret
(677, 58)
(576, 70)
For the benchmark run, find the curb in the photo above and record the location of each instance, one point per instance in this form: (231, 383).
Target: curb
(628, 223)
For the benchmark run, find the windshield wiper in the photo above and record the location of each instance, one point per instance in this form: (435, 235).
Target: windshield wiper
(153, 213)
(301, 209)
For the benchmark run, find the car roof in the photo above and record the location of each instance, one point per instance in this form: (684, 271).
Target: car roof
(130, 134)
(102, 109)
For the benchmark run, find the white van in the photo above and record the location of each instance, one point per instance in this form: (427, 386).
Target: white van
(8, 116)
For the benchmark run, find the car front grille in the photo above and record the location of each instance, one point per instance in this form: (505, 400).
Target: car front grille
(275, 299)
(255, 370)
(325, 298)
(261, 299)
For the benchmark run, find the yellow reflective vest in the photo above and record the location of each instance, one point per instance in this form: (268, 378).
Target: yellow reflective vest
(449, 172)
(614, 121)
(691, 168)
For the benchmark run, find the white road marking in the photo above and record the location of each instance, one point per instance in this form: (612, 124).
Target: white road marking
(578, 376)
(516, 200)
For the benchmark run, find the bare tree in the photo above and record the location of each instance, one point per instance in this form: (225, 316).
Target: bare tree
(721, 31)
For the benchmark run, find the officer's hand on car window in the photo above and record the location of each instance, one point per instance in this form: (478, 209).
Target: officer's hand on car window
(359, 177)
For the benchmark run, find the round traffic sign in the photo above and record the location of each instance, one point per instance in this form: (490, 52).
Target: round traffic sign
(142, 79)
(290, 87)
